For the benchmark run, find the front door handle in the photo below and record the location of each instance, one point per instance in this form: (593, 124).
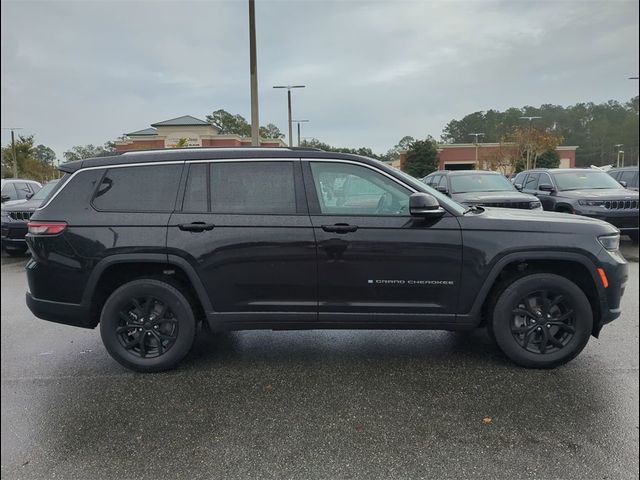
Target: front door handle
(196, 226)
(340, 228)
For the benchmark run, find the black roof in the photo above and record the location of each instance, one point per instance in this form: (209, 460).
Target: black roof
(184, 154)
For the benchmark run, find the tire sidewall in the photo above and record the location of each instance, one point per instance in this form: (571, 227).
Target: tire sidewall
(507, 301)
(176, 301)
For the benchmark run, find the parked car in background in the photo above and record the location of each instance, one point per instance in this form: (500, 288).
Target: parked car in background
(15, 190)
(481, 188)
(626, 176)
(15, 217)
(584, 191)
(148, 244)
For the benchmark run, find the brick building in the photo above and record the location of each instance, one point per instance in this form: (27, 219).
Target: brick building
(490, 156)
(195, 132)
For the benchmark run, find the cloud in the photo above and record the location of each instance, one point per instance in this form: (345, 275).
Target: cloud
(84, 72)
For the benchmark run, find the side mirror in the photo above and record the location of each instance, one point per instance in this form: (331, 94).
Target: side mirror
(442, 189)
(424, 205)
(29, 195)
(518, 186)
(546, 187)
(5, 198)
(623, 183)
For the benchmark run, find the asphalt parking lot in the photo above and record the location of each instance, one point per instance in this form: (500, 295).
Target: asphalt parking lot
(318, 404)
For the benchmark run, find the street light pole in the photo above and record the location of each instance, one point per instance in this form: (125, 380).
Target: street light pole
(618, 146)
(475, 141)
(289, 87)
(299, 122)
(13, 150)
(253, 69)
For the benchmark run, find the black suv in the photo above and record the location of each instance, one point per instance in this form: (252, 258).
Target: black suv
(584, 191)
(147, 244)
(481, 188)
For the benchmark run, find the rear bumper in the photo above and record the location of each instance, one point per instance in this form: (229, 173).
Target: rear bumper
(58, 312)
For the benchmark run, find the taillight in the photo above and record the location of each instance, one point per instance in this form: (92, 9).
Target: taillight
(46, 228)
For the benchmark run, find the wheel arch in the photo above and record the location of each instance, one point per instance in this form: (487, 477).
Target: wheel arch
(111, 271)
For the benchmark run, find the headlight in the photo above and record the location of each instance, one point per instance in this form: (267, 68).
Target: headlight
(535, 204)
(610, 242)
(591, 203)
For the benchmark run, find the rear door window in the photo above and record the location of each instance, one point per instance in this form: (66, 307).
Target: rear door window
(253, 187)
(196, 190)
(22, 190)
(149, 188)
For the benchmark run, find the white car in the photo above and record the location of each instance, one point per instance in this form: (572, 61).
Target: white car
(16, 190)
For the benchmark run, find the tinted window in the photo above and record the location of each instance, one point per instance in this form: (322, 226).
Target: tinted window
(23, 190)
(346, 189)
(195, 194)
(434, 180)
(9, 190)
(630, 177)
(45, 190)
(519, 178)
(532, 181)
(545, 178)
(443, 181)
(150, 188)
(253, 187)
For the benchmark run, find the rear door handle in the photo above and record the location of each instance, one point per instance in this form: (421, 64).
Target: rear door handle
(340, 228)
(196, 226)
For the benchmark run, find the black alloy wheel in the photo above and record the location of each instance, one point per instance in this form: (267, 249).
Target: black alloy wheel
(543, 322)
(148, 328)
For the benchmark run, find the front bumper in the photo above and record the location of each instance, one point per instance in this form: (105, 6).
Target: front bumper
(13, 234)
(624, 220)
(617, 272)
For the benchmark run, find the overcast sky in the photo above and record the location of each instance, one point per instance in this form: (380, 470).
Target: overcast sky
(87, 71)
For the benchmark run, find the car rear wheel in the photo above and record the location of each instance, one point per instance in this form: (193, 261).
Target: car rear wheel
(542, 320)
(148, 325)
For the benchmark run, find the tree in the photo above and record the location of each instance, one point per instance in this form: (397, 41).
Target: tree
(44, 154)
(89, 151)
(533, 142)
(421, 158)
(182, 142)
(549, 159)
(271, 131)
(29, 165)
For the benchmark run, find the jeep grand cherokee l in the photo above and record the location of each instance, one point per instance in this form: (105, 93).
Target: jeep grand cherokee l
(584, 191)
(148, 244)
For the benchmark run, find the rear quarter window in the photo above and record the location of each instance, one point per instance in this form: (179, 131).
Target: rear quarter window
(149, 188)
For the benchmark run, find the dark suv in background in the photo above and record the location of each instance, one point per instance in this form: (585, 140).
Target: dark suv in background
(148, 244)
(481, 188)
(584, 191)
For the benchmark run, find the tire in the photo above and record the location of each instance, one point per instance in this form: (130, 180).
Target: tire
(538, 333)
(148, 325)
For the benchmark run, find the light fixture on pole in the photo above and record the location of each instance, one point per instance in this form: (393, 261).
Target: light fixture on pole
(13, 150)
(289, 87)
(299, 122)
(530, 119)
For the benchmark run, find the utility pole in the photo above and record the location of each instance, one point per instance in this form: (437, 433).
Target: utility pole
(530, 119)
(253, 68)
(299, 122)
(475, 141)
(289, 87)
(13, 150)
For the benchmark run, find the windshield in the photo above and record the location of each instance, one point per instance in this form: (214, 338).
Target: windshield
(44, 191)
(585, 180)
(480, 182)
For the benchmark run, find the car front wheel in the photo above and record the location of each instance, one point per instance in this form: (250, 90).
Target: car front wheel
(148, 325)
(542, 320)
